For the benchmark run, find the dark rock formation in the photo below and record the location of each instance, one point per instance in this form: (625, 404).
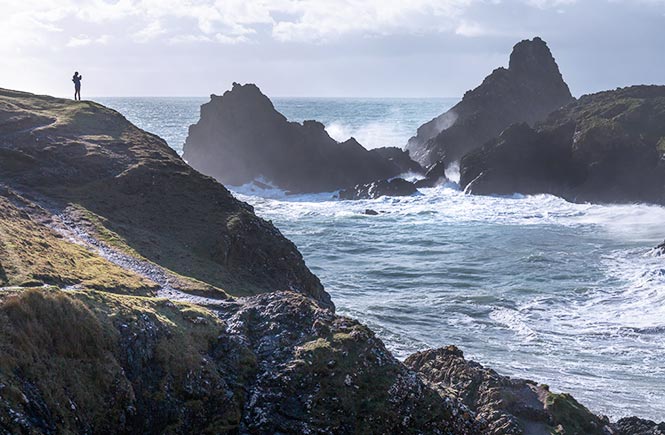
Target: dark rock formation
(527, 91)
(399, 158)
(371, 212)
(93, 362)
(131, 189)
(606, 147)
(241, 137)
(435, 175)
(660, 249)
(505, 406)
(638, 426)
(321, 373)
(376, 189)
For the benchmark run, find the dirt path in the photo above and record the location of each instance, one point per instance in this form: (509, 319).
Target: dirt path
(61, 221)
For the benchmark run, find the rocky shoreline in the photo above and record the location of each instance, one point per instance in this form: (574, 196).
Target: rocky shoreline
(117, 318)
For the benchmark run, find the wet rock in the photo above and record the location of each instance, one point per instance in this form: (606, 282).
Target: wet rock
(335, 378)
(527, 91)
(502, 404)
(376, 189)
(638, 426)
(660, 249)
(435, 175)
(400, 158)
(371, 212)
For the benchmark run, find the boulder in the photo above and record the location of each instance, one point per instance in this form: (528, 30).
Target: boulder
(241, 137)
(400, 158)
(660, 249)
(435, 175)
(527, 91)
(376, 189)
(505, 406)
(605, 148)
(638, 426)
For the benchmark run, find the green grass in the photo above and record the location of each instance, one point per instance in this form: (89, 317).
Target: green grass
(33, 254)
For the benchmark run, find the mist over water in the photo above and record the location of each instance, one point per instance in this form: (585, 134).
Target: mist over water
(571, 295)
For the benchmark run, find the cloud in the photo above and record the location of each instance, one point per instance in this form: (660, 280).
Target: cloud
(34, 23)
(470, 29)
(545, 4)
(149, 32)
(83, 40)
(322, 21)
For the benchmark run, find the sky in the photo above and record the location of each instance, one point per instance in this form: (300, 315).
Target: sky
(324, 48)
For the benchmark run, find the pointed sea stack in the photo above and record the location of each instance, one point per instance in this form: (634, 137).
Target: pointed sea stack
(527, 91)
(241, 137)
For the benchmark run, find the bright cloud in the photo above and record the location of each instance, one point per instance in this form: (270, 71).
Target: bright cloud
(32, 22)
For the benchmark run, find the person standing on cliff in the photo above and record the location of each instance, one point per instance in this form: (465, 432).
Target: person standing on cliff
(77, 85)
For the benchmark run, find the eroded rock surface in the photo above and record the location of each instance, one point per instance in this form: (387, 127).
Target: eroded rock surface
(606, 147)
(505, 406)
(241, 137)
(527, 91)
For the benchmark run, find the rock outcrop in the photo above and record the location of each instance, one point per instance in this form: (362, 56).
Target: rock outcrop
(241, 137)
(400, 158)
(435, 175)
(660, 249)
(527, 91)
(503, 405)
(606, 147)
(638, 426)
(376, 189)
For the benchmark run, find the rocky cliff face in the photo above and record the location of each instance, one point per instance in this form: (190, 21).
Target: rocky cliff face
(527, 91)
(606, 147)
(241, 137)
(87, 165)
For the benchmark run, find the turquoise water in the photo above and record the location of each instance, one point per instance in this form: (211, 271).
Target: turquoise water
(567, 294)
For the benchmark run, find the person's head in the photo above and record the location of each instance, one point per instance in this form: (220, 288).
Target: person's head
(76, 73)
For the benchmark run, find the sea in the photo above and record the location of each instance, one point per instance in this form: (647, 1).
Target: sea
(570, 295)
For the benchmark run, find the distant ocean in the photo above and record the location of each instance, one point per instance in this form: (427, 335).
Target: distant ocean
(533, 286)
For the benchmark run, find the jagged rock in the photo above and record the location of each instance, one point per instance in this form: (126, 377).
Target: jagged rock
(638, 426)
(660, 249)
(321, 373)
(241, 137)
(605, 147)
(506, 406)
(435, 175)
(527, 91)
(399, 158)
(376, 189)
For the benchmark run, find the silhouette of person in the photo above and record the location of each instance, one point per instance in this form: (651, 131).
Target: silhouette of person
(77, 85)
